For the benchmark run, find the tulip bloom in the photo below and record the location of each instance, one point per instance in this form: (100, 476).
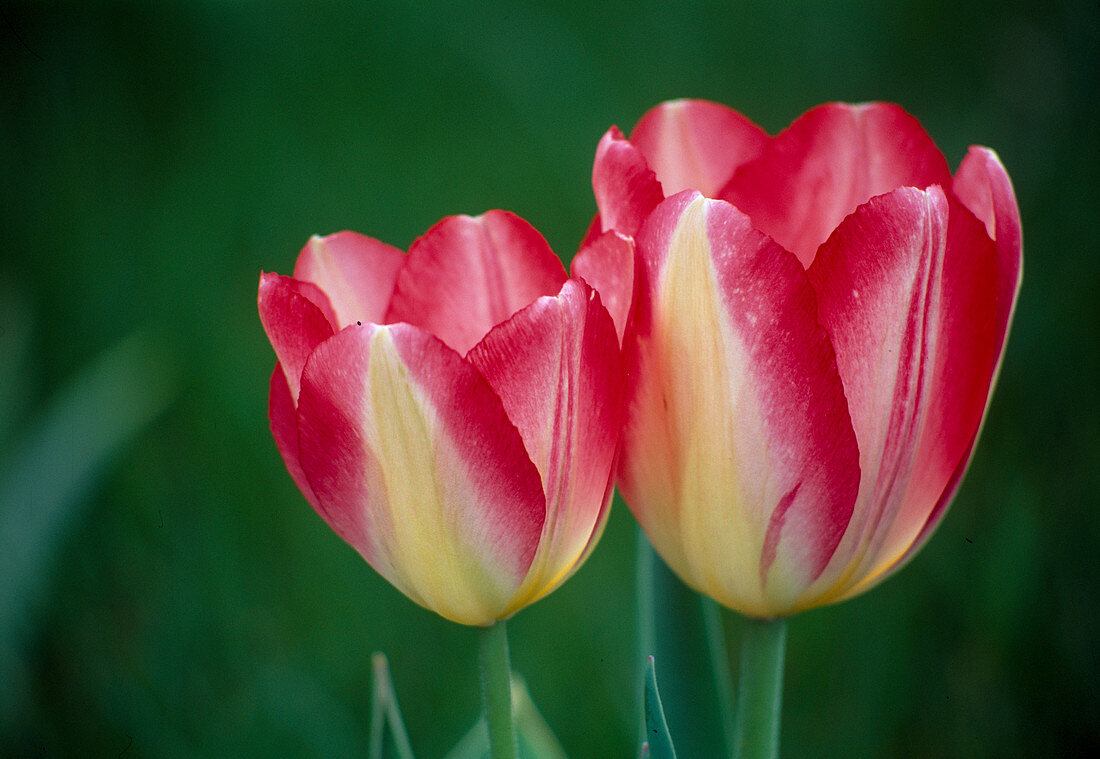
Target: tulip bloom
(818, 321)
(452, 413)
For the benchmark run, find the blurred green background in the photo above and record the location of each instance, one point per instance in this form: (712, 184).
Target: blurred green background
(166, 591)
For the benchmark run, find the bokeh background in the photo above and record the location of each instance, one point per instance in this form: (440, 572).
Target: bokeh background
(166, 591)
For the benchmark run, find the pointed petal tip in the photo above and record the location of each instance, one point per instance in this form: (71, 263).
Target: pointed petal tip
(606, 263)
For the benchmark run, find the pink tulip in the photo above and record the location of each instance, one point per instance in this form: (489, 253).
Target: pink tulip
(818, 321)
(452, 413)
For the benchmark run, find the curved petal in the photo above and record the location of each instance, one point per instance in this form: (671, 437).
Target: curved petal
(607, 264)
(983, 186)
(355, 271)
(828, 162)
(415, 463)
(696, 144)
(625, 187)
(468, 274)
(282, 414)
(981, 283)
(739, 458)
(555, 366)
(294, 317)
(879, 283)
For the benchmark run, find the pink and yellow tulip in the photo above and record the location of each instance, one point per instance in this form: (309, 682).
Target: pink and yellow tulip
(818, 320)
(452, 413)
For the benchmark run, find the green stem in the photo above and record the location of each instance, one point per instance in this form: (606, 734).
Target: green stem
(760, 694)
(720, 667)
(496, 690)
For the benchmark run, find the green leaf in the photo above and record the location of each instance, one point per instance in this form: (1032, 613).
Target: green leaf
(535, 738)
(660, 742)
(678, 628)
(385, 713)
(49, 472)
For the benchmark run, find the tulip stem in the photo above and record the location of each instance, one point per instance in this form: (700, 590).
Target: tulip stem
(760, 691)
(496, 690)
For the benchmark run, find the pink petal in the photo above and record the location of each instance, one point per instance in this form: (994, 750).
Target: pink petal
(696, 144)
(556, 367)
(294, 316)
(415, 463)
(981, 283)
(466, 275)
(625, 187)
(606, 262)
(356, 272)
(879, 282)
(983, 186)
(738, 455)
(829, 161)
(283, 416)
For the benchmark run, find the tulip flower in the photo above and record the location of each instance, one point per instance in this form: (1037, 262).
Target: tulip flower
(452, 413)
(818, 320)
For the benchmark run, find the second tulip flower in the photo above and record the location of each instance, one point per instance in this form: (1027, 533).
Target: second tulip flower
(818, 320)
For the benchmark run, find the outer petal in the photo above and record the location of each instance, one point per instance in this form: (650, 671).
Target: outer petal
(983, 186)
(415, 463)
(879, 286)
(357, 273)
(829, 161)
(282, 414)
(466, 275)
(738, 455)
(626, 188)
(294, 316)
(981, 283)
(607, 264)
(696, 144)
(555, 366)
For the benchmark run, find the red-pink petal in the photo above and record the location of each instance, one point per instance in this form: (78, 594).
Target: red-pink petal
(696, 144)
(282, 413)
(879, 288)
(606, 263)
(415, 463)
(625, 187)
(829, 161)
(738, 455)
(981, 282)
(983, 186)
(468, 274)
(555, 366)
(293, 314)
(356, 272)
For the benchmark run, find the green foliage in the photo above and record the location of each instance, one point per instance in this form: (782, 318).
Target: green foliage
(658, 743)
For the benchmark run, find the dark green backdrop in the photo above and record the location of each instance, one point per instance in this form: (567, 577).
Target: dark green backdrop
(166, 591)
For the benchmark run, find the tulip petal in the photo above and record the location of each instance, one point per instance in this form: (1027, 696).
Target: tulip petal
(357, 273)
(625, 187)
(606, 263)
(293, 314)
(696, 144)
(739, 459)
(879, 282)
(981, 283)
(983, 186)
(282, 413)
(468, 274)
(556, 369)
(828, 162)
(415, 464)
